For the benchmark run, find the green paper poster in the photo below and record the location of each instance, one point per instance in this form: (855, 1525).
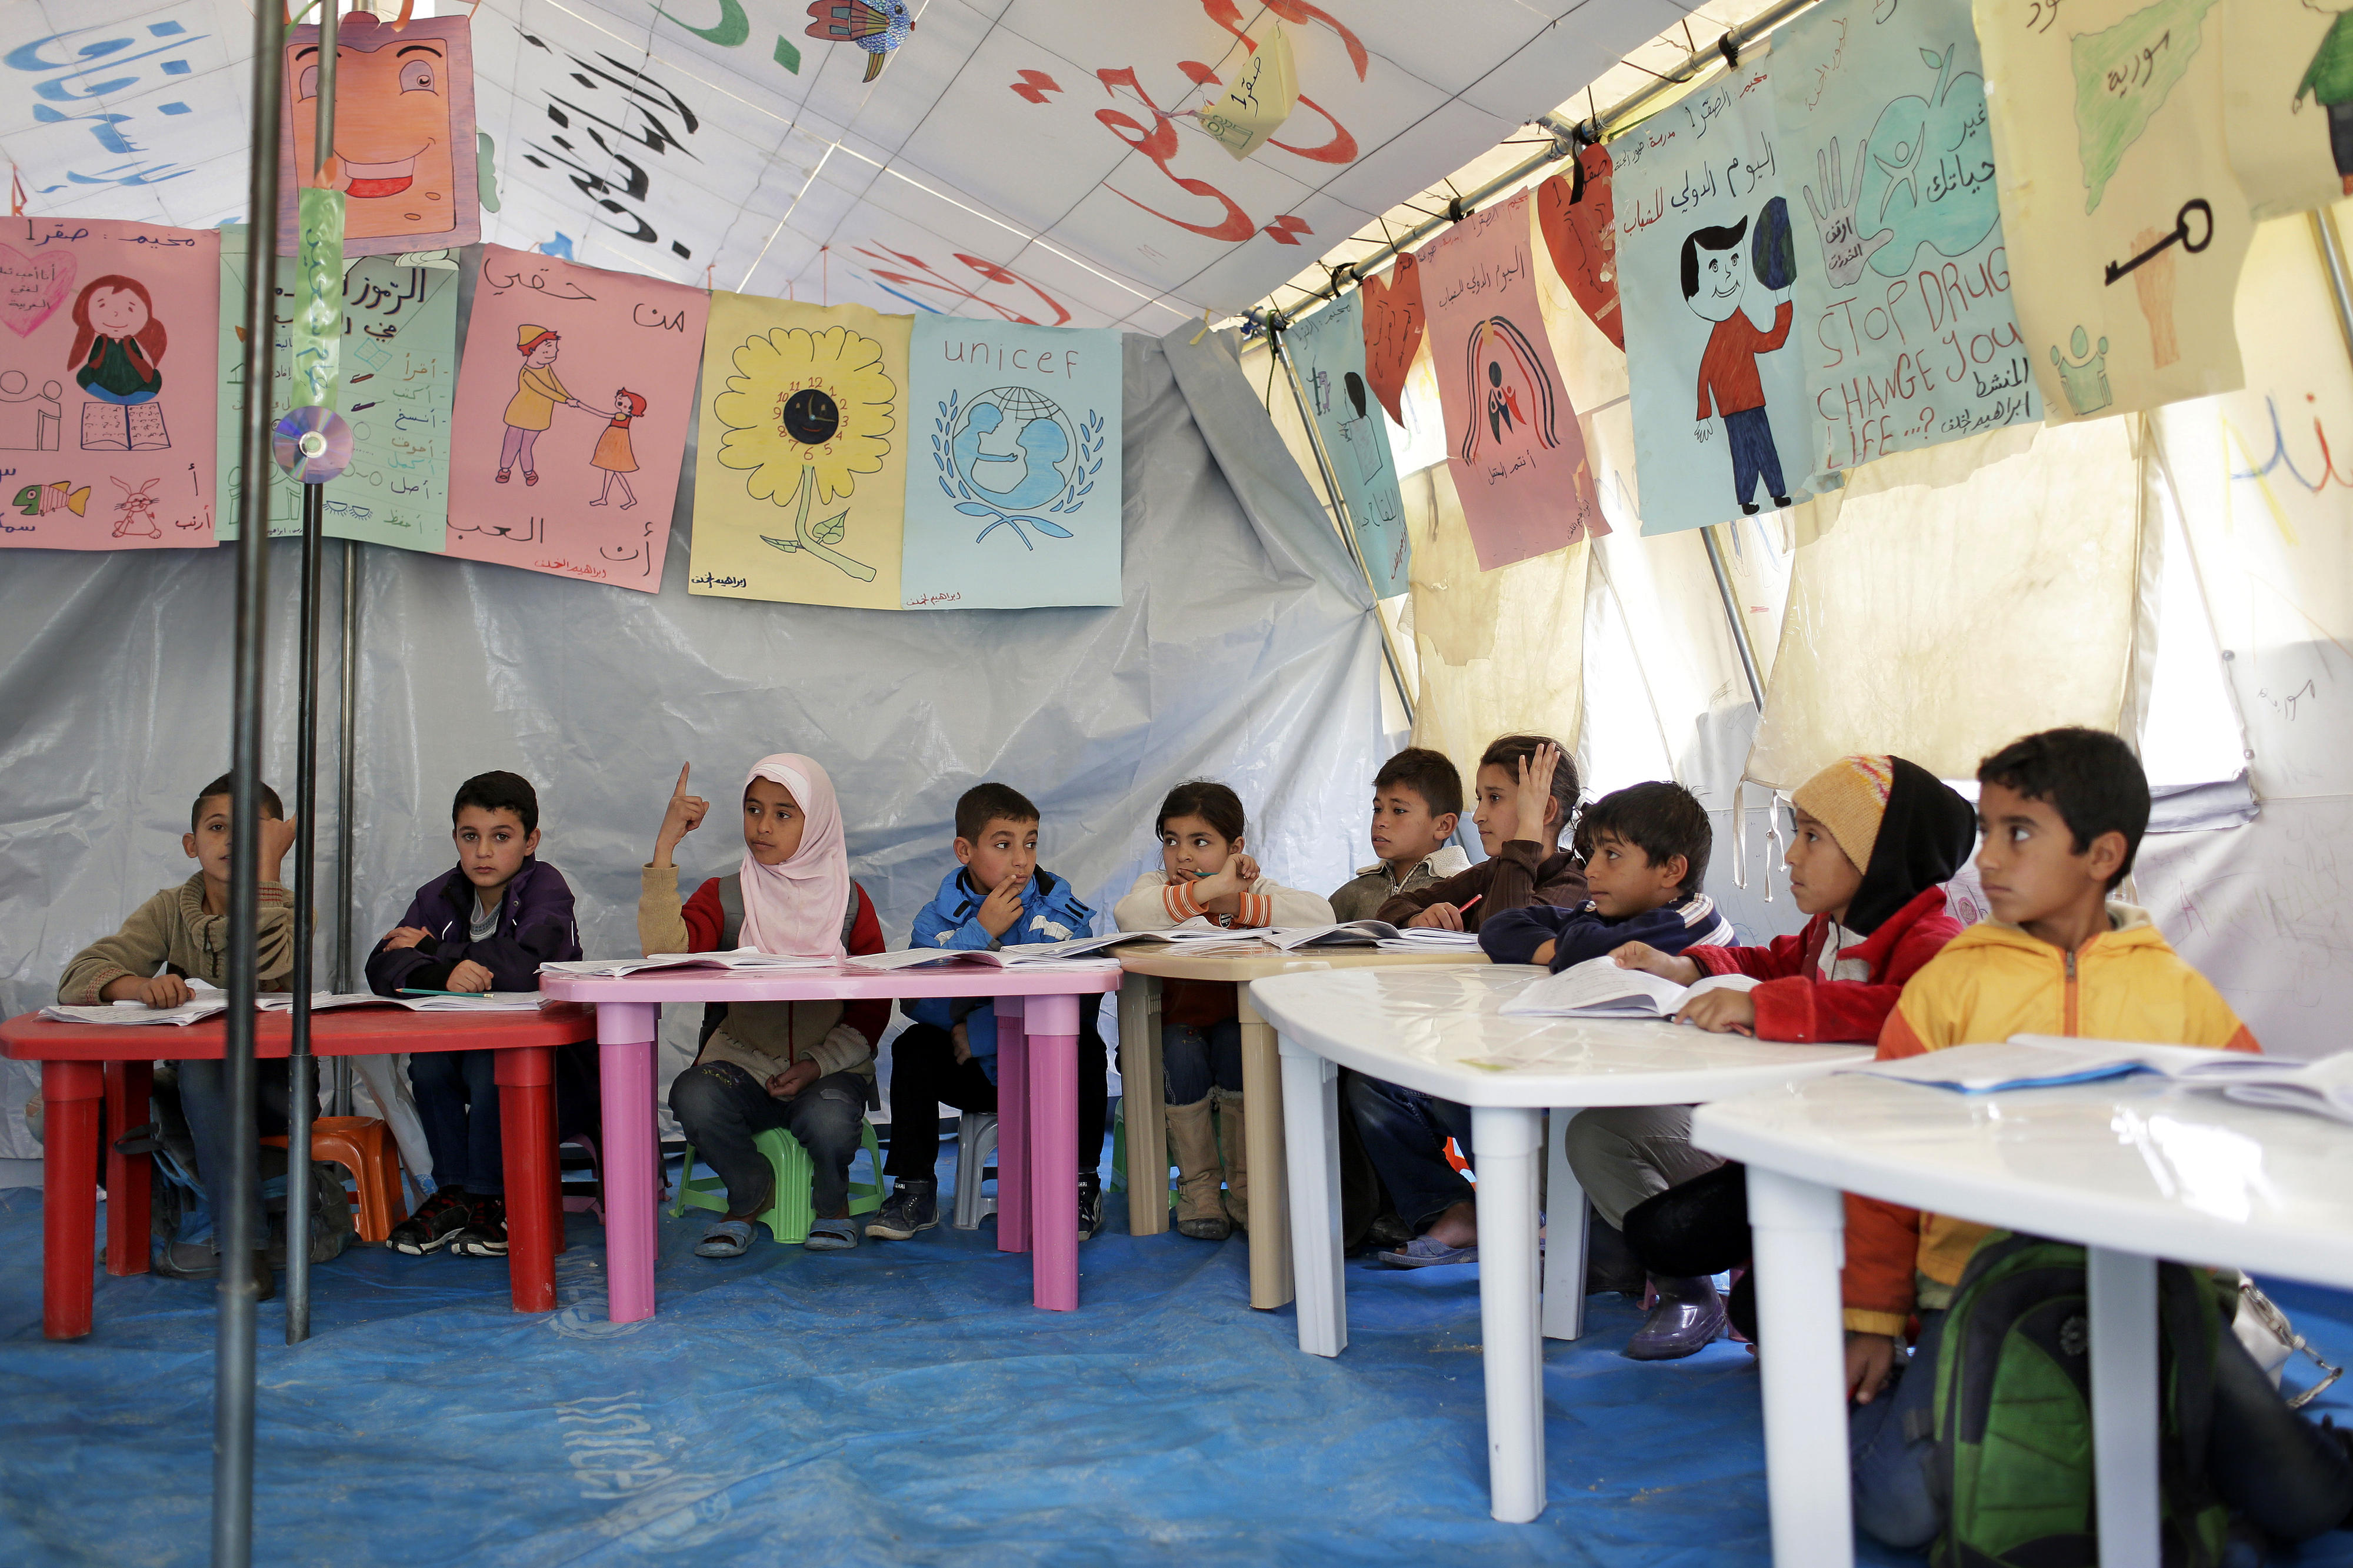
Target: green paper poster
(399, 371)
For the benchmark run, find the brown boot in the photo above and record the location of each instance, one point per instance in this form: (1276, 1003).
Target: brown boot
(1200, 1214)
(1233, 1143)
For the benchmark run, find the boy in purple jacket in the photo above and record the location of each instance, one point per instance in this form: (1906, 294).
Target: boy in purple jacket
(486, 926)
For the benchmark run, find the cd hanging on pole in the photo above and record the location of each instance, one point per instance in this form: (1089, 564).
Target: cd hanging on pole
(313, 445)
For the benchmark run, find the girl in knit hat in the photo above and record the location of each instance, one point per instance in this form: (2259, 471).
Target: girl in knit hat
(1875, 839)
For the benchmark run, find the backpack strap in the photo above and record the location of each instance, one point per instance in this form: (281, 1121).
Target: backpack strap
(849, 917)
(730, 910)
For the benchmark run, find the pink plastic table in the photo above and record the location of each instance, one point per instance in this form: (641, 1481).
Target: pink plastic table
(1036, 1097)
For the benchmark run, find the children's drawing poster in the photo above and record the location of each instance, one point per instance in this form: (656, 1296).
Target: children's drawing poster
(2288, 101)
(1328, 350)
(1394, 326)
(1577, 215)
(800, 474)
(108, 384)
(2125, 224)
(1514, 447)
(573, 399)
(1706, 261)
(1013, 488)
(400, 370)
(1903, 291)
(404, 155)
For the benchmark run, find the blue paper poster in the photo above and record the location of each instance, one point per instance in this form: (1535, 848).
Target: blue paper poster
(1013, 471)
(1902, 293)
(1706, 265)
(1328, 348)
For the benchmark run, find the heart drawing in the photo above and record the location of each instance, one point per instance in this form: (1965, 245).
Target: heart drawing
(1393, 327)
(32, 288)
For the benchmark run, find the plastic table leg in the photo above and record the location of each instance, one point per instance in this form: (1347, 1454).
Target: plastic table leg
(1269, 1206)
(1508, 1139)
(2121, 1292)
(1142, 1105)
(1052, 1027)
(1311, 1114)
(1566, 1234)
(1013, 1130)
(625, 1040)
(129, 1177)
(1800, 1235)
(70, 1096)
(526, 1078)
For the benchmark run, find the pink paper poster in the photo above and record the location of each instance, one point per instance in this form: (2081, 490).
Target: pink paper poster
(1513, 445)
(108, 384)
(574, 396)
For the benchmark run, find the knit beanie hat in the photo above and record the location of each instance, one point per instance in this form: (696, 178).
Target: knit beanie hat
(1850, 797)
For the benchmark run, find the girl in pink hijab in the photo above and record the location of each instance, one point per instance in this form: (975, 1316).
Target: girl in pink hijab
(804, 1066)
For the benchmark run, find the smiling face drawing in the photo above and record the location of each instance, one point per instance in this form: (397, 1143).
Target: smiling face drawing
(1723, 278)
(398, 137)
(117, 312)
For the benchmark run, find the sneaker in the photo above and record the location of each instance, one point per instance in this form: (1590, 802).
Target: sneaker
(912, 1206)
(435, 1225)
(485, 1236)
(1090, 1206)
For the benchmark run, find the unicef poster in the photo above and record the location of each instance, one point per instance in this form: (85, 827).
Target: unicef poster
(1013, 467)
(1328, 347)
(1903, 290)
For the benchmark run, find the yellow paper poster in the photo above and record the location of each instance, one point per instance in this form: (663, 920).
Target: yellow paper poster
(1263, 95)
(800, 478)
(2125, 224)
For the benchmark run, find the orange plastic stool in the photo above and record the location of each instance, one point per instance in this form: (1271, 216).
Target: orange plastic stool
(363, 1145)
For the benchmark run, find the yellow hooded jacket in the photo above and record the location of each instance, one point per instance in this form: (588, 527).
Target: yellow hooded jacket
(1990, 982)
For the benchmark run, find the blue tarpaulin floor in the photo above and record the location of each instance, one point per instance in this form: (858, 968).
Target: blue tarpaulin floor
(901, 1404)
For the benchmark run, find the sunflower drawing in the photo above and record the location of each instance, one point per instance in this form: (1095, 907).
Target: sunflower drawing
(807, 413)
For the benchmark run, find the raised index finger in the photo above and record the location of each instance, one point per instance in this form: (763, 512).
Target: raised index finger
(682, 778)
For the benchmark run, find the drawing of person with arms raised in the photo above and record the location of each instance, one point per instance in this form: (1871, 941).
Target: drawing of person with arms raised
(1715, 280)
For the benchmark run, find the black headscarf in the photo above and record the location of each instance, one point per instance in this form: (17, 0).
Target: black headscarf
(1924, 836)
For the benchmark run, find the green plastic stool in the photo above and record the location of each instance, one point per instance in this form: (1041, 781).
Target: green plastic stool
(789, 1213)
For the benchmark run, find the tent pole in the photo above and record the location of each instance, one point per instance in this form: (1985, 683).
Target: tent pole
(234, 1350)
(1732, 617)
(2332, 258)
(1347, 523)
(347, 745)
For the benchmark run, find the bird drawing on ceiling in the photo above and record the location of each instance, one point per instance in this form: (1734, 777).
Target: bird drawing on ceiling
(878, 26)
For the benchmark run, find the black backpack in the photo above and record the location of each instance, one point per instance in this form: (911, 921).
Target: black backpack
(174, 1194)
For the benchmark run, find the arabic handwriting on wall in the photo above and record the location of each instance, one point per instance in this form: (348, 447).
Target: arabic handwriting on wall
(120, 70)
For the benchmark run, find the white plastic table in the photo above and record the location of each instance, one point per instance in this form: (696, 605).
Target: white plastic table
(1438, 1030)
(2132, 1169)
(1037, 1094)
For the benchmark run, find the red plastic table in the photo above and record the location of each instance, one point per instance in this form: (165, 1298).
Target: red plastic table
(1036, 1096)
(83, 1064)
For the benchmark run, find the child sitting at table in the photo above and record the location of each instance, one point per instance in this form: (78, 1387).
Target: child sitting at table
(486, 926)
(1527, 792)
(998, 896)
(1649, 846)
(1873, 839)
(804, 1066)
(182, 934)
(1206, 877)
(1417, 800)
(2062, 814)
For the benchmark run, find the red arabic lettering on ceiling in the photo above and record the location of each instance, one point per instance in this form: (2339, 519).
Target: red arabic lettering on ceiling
(989, 271)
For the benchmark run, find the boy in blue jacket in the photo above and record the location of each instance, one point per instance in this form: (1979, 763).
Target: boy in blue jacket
(486, 926)
(997, 896)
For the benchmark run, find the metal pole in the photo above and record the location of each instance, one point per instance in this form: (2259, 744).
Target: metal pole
(234, 1355)
(347, 745)
(301, 1067)
(1732, 617)
(2332, 257)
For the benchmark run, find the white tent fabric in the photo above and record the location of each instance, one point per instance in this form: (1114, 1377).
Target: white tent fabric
(1245, 650)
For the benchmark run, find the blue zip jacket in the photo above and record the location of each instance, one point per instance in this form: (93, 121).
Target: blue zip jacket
(535, 927)
(1050, 911)
(1512, 936)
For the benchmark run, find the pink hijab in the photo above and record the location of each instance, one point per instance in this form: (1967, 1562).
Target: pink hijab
(795, 908)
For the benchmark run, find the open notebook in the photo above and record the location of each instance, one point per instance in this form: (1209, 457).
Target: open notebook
(2042, 1061)
(1600, 988)
(1026, 954)
(741, 958)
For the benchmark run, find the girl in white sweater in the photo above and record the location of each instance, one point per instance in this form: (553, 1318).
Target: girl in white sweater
(1204, 877)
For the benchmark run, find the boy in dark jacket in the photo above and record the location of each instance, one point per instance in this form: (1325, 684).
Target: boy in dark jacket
(998, 896)
(486, 926)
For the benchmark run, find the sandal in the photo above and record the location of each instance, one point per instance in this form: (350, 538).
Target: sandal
(728, 1238)
(1424, 1253)
(831, 1236)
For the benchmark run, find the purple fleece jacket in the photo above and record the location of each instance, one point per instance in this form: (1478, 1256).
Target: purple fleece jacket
(535, 927)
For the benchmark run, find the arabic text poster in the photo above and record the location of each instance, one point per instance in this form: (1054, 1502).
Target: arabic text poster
(2288, 101)
(1903, 291)
(1328, 349)
(405, 154)
(2124, 222)
(800, 474)
(108, 384)
(573, 400)
(1706, 262)
(1013, 478)
(400, 370)
(1514, 447)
